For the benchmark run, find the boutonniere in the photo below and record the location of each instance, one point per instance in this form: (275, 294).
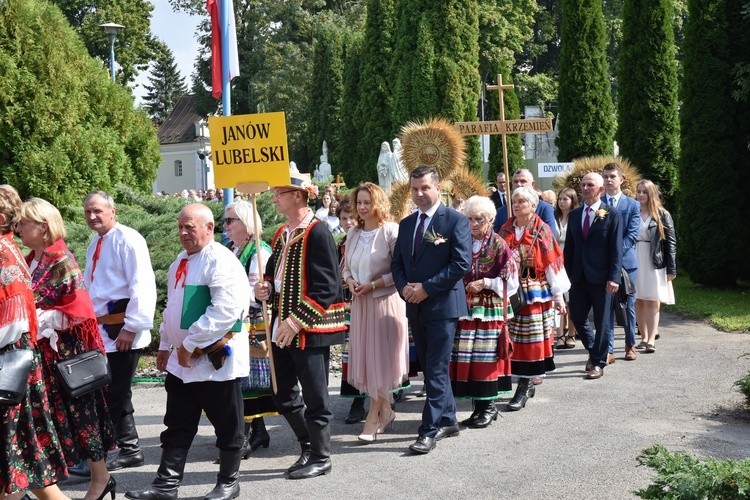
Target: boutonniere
(601, 214)
(435, 238)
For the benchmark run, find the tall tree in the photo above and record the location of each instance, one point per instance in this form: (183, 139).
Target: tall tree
(436, 64)
(65, 127)
(350, 136)
(135, 46)
(586, 126)
(648, 126)
(326, 92)
(375, 103)
(714, 154)
(167, 86)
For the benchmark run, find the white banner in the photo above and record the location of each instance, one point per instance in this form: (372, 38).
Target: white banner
(554, 169)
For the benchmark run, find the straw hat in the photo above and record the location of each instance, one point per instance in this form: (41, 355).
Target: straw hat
(301, 182)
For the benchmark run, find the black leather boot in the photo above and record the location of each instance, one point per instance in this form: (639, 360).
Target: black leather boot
(486, 416)
(524, 391)
(478, 407)
(168, 477)
(259, 436)
(227, 480)
(320, 453)
(356, 411)
(130, 454)
(299, 427)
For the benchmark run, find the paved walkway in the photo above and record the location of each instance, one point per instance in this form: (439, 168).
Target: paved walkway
(577, 439)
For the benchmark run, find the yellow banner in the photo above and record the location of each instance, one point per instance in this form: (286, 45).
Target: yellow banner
(249, 149)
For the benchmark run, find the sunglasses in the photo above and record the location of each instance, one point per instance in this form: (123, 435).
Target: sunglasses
(229, 220)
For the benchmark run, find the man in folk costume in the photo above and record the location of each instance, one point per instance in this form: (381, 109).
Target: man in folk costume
(204, 356)
(303, 283)
(122, 287)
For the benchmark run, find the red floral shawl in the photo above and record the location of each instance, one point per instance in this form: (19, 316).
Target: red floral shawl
(546, 251)
(58, 284)
(16, 295)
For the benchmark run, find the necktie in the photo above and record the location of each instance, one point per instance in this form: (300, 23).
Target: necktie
(613, 201)
(96, 257)
(181, 273)
(420, 233)
(586, 223)
(502, 199)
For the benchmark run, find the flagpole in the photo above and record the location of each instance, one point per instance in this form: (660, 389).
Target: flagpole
(226, 98)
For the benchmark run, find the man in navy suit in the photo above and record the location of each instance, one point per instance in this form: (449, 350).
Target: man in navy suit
(593, 259)
(433, 252)
(498, 196)
(630, 210)
(523, 177)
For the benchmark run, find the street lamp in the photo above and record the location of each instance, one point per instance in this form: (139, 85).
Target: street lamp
(111, 29)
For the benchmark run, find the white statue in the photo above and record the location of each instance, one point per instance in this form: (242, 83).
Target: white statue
(390, 168)
(293, 168)
(385, 179)
(397, 167)
(323, 172)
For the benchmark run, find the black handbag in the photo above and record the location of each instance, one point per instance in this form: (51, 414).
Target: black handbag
(84, 373)
(620, 298)
(15, 366)
(518, 300)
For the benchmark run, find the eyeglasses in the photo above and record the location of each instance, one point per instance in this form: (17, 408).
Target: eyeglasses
(477, 221)
(229, 220)
(277, 194)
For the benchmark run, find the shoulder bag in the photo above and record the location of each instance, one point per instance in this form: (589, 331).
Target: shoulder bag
(518, 300)
(84, 373)
(15, 366)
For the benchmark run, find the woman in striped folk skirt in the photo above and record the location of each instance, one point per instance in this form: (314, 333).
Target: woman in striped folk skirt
(480, 363)
(543, 281)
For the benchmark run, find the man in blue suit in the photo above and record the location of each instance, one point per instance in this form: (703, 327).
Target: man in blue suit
(523, 177)
(593, 259)
(630, 210)
(432, 254)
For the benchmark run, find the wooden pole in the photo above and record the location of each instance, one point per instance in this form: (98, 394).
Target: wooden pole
(500, 87)
(253, 190)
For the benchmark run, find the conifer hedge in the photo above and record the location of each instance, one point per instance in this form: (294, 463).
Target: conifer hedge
(586, 113)
(648, 126)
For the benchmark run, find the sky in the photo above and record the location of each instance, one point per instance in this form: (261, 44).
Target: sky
(177, 30)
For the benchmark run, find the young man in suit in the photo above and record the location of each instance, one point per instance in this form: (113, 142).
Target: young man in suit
(523, 177)
(593, 258)
(630, 210)
(498, 196)
(432, 254)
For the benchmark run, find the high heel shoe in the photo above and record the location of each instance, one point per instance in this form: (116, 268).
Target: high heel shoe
(387, 425)
(369, 438)
(110, 488)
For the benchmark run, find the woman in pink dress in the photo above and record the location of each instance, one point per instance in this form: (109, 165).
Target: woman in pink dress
(378, 355)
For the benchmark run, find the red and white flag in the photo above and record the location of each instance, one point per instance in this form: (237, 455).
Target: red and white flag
(214, 10)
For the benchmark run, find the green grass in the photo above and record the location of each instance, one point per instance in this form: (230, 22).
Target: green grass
(727, 310)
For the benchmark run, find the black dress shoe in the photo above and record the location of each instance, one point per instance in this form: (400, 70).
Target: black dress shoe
(124, 461)
(81, 469)
(356, 412)
(445, 432)
(423, 392)
(312, 468)
(423, 445)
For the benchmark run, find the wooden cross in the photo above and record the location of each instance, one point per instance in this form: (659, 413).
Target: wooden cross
(503, 128)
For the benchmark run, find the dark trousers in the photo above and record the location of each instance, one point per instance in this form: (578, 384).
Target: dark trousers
(222, 402)
(584, 296)
(119, 393)
(630, 327)
(310, 368)
(433, 340)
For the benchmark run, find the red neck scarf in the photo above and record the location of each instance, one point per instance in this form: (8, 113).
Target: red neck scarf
(58, 284)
